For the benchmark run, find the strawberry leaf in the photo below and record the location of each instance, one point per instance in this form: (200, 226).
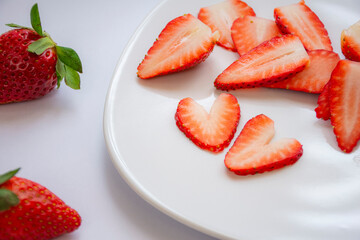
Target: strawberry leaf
(41, 45)
(7, 199)
(59, 78)
(6, 176)
(60, 72)
(72, 78)
(69, 57)
(13, 25)
(35, 20)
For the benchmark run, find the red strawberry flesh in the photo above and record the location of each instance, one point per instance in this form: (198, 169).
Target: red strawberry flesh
(253, 153)
(300, 20)
(315, 75)
(212, 131)
(350, 42)
(270, 62)
(323, 108)
(24, 75)
(220, 17)
(344, 99)
(250, 31)
(183, 43)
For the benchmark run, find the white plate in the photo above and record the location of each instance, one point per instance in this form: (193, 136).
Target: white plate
(317, 198)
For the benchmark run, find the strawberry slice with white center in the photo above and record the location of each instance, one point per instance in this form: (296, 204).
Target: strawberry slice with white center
(344, 99)
(315, 75)
(212, 131)
(183, 43)
(323, 108)
(350, 42)
(300, 20)
(249, 31)
(253, 153)
(270, 62)
(220, 17)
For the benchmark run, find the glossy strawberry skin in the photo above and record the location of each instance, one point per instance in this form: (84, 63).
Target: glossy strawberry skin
(39, 215)
(24, 75)
(269, 167)
(323, 108)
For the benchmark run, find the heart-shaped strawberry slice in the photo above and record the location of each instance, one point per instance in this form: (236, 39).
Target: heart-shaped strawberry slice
(253, 153)
(212, 131)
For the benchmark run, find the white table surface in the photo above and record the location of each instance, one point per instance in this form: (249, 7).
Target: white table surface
(58, 140)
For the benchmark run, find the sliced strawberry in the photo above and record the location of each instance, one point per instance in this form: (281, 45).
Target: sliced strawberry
(249, 31)
(253, 153)
(271, 61)
(220, 17)
(344, 99)
(315, 75)
(299, 19)
(211, 131)
(183, 43)
(323, 108)
(350, 42)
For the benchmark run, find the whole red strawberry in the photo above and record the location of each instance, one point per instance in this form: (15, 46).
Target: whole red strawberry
(32, 64)
(30, 211)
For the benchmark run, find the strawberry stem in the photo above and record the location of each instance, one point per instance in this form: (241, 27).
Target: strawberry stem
(41, 45)
(68, 65)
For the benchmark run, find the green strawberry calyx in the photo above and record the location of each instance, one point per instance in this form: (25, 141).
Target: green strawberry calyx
(7, 197)
(68, 65)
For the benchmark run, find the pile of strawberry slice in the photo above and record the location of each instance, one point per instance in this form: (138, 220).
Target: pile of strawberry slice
(293, 52)
(340, 101)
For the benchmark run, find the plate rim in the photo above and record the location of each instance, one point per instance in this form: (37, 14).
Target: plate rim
(116, 157)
